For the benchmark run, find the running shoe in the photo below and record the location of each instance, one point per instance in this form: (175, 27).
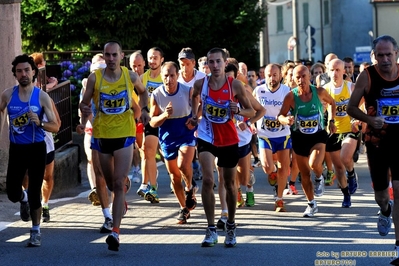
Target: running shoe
(45, 214)
(211, 238)
(319, 187)
(250, 199)
(352, 183)
(329, 180)
(230, 240)
(24, 211)
(279, 206)
(272, 178)
(311, 210)
(346, 203)
(35, 239)
(221, 224)
(152, 196)
(197, 174)
(141, 192)
(135, 176)
(293, 190)
(107, 226)
(184, 215)
(395, 258)
(256, 163)
(93, 197)
(113, 241)
(384, 223)
(191, 200)
(240, 199)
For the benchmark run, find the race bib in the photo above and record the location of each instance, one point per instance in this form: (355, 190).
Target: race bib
(216, 112)
(308, 124)
(20, 121)
(114, 104)
(389, 110)
(271, 124)
(341, 108)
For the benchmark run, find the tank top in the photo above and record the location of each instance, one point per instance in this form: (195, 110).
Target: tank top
(341, 97)
(174, 128)
(114, 117)
(383, 100)
(151, 84)
(22, 130)
(272, 101)
(308, 115)
(216, 125)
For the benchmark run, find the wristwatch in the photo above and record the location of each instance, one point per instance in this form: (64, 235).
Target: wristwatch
(332, 121)
(248, 123)
(41, 123)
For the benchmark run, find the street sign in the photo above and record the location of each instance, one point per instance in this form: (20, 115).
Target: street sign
(361, 57)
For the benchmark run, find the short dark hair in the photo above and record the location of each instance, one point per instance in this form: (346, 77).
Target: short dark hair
(155, 48)
(24, 58)
(171, 63)
(348, 60)
(114, 42)
(218, 50)
(386, 38)
(231, 67)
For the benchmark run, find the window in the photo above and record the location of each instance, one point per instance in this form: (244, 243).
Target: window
(326, 13)
(305, 8)
(280, 21)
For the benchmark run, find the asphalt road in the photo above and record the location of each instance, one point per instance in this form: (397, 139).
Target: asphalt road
(150, 235)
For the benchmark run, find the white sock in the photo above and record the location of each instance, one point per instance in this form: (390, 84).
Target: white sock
(45, 204)
(107, 213)
(250, 189)
(25, 199)
(36, 227)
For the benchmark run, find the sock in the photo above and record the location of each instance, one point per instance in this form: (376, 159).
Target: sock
(230, 225)
(45, 205)
(107, 213)
(154, 187)
(292, 183)
(212, 227)
(115, 230)
(319, 178)
(345, 191)
(387, 213)
(188, 189)
(311, 203)
(250, 189)
(351, 173)
(225, 211)
(25, 196)
(143, 186)
(277, 198)
(36, 228)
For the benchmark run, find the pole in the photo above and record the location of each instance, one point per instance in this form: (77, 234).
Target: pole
(309, 44)
(295, 30)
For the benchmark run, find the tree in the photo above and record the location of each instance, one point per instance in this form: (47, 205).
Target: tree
(87, 24)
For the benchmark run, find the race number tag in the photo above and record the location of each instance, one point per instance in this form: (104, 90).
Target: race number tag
(308, 124)
(389, 110)
(271, 124)
(114, 104)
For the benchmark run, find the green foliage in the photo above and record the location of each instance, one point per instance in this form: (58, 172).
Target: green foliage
(72, 25)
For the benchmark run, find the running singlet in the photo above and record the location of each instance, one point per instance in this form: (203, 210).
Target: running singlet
(22, 129)
(308, 115)
(114, 117)
(150, 84)
(197, 75)
(269, 126)
(174, 127)
(383, 100)
(341, 97)
(216, 125)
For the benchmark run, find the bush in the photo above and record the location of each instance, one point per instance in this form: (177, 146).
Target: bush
(75, 72)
